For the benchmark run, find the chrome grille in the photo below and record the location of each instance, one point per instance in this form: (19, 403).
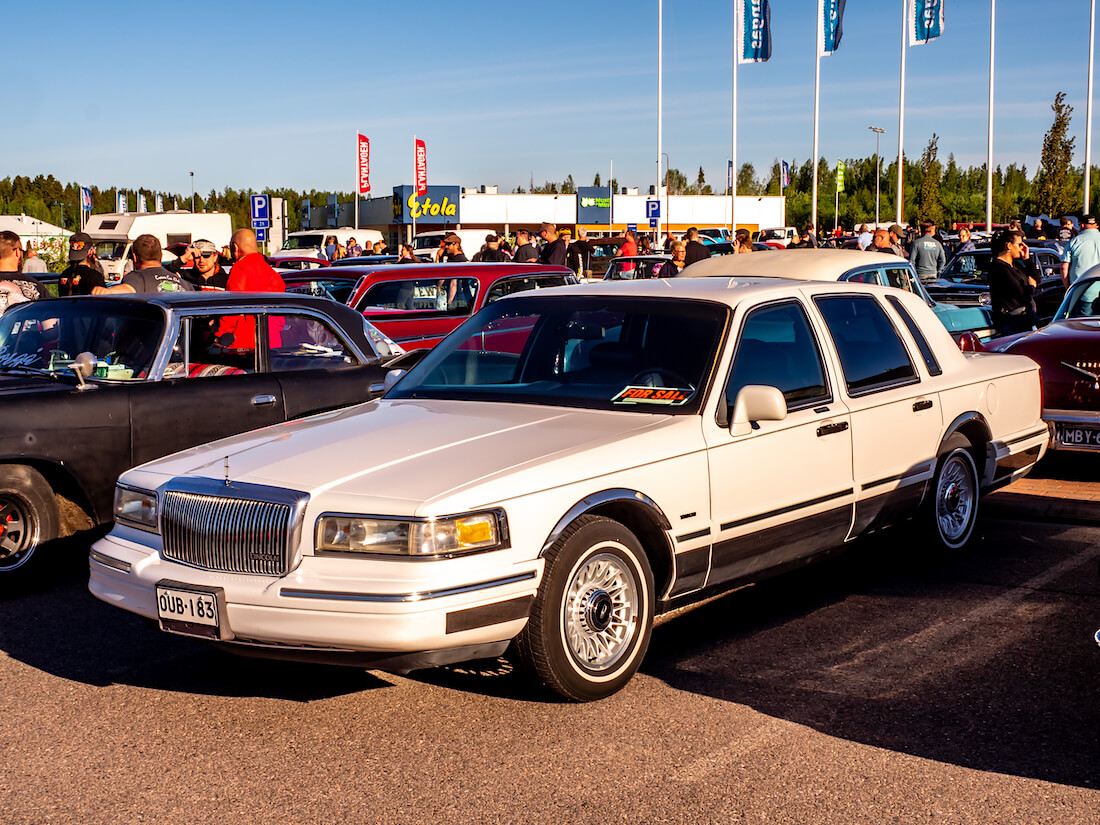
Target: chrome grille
(234, 535)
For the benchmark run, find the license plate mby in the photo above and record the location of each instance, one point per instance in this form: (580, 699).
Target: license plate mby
(188, 611)
(1083, 437)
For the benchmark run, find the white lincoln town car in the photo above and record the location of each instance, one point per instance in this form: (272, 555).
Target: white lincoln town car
(568, 466)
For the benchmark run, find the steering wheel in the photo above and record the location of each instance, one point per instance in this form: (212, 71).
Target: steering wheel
(660, 377)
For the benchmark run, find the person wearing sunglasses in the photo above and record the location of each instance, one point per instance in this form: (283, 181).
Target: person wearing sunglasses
(201, 266)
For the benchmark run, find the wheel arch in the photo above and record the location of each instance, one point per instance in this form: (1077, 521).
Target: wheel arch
(974, 428)
(638, 513)
(62, 482)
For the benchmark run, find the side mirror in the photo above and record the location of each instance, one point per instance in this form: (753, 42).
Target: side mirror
(83, 365)
(392, 377)
(756, 402)
(406, 360)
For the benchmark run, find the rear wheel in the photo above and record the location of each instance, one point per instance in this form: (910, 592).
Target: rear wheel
(953, 510)
(592, 619)
(28, 515)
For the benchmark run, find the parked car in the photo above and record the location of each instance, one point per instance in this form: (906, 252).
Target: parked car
(727, 248)
(777, 237)
(852, 266)
(965, 280)
(635, 267)
(565, 467)
(333, 283)
(296, 264)
(418, 304)
(1068, 351)
(90, 386)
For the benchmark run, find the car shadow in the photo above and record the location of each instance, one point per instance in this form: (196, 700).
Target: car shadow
(982, 659)
(51, 622)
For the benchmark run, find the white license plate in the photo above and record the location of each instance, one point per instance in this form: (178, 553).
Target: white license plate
(1078, 436)
(191, 606)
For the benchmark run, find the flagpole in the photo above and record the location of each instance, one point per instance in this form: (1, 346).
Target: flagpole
(1088, 108)
(732, 168)
(660, 48)
(989, 147)
(901, 114)
(817, 104)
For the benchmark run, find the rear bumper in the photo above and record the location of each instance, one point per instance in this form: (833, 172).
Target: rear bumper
(1082, 433)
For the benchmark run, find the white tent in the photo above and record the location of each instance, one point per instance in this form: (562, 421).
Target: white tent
(28, 228)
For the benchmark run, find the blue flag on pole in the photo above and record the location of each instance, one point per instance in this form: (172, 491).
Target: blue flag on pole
(85, 198)
(833, 26)
(926, 23)
(785, 174)
(754, 22)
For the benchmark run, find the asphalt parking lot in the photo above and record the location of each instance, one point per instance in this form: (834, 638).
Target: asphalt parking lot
(891, 683)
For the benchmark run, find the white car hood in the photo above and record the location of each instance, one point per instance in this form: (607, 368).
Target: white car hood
(428, 457)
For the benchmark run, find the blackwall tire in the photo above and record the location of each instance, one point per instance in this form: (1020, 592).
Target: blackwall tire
(592, 619)
(953, 507)
(28, 517)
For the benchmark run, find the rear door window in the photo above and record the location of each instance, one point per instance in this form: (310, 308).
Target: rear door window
(445, 296)
(872, 354)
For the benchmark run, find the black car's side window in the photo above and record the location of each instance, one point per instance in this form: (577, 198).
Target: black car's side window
(777, 348)
(205, 348)
(872, 354)
(296, 342)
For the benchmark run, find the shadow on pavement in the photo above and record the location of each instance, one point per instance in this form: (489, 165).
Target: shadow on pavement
(983, 660)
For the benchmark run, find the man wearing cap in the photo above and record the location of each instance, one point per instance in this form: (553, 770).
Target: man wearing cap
(896, 234)
(148, 275)
(82, 275)
(491, 252)
(553, 251)
(200, 266)
(452, 249)
(32, 264)
(1082, 253)
(525, 250)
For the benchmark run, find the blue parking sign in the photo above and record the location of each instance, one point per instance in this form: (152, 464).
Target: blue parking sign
(653, 209)
(261, 234)
(261, 209)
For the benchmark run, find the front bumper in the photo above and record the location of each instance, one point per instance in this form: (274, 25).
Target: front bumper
(1074, 430)
(368, 612)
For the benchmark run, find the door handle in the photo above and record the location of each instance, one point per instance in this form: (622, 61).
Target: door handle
(922, 405)
(263, 400)
(829, 429)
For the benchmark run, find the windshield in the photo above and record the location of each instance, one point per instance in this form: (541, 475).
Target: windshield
(1082, 301)
(604, 353)
(48, 335)
(110, 250)
(303, 242)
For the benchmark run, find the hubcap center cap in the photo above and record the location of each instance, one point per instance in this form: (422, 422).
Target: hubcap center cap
(597, 611)
(951, 497)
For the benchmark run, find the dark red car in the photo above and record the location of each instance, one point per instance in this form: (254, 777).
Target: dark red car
(417, 305)
(1068, 352)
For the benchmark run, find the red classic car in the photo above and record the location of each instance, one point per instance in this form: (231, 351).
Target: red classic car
(418, 305)
(1068, 351)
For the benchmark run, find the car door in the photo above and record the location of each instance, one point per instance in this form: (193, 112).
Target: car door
(316, 368)
(207, 392)
(784, 490)
(895, 415)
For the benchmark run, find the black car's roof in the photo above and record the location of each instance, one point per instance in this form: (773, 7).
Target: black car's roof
(210, 299)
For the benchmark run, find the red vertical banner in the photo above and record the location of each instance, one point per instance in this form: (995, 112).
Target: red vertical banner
(421, 168)
(364, 165)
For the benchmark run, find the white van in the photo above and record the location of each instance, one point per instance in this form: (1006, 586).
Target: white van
(114, 233)
(310, 243)
(426, 243)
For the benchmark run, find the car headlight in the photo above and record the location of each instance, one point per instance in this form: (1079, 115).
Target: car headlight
(407, 537)
(136, 507)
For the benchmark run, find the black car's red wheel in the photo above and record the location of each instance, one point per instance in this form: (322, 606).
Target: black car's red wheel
(28, 515)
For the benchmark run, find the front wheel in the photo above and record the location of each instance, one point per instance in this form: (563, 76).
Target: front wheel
(28, 515)
(592, 619)
(954, 505)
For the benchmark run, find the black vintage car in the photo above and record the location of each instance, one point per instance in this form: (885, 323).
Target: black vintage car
(91, 386)
(965, 279)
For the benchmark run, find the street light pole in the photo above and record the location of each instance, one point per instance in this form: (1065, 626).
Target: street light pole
(878, 168)
(192, 191)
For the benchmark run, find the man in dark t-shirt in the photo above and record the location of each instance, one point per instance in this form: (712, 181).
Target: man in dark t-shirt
(148, 275)
(553, 251)
(82, 275)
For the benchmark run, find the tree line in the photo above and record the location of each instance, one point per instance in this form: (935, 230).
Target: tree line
(935, 191)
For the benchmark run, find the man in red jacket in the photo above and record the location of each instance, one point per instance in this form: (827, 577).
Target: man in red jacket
(250, 273)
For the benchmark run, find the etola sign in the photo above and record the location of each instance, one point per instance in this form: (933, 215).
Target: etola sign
(593, 204)
(439, 205)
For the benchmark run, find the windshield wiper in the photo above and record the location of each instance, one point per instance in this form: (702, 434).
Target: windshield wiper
(25, 370)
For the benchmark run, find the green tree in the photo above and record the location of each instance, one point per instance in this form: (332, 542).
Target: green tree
(596, 180)
(1054, 190)
(929, 204)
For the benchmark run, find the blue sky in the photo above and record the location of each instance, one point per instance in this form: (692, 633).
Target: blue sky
(268, 95)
